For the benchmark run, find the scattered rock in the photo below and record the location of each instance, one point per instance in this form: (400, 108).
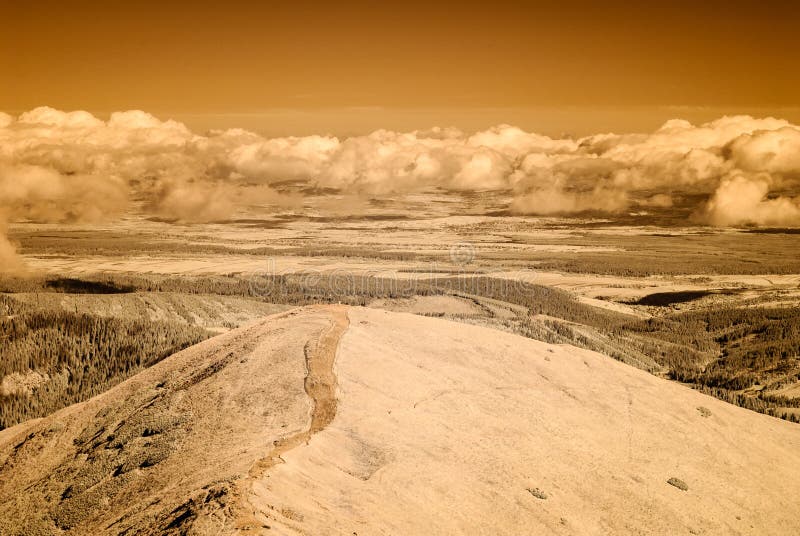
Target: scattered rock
(539, 494)
(55, 427)
(678, 483)
(704, 412)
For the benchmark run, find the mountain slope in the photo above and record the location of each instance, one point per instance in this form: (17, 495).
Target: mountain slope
(444, 428)
(435, 428)
(162, 452)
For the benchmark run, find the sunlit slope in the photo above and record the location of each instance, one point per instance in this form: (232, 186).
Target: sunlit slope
(446, 428)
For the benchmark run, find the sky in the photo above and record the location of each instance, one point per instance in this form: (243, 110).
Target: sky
(198, 112)
(347, 68)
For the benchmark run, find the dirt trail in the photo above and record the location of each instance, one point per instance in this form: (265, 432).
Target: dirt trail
(320, 385)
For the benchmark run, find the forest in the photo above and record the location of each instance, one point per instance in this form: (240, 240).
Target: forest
(51, 359)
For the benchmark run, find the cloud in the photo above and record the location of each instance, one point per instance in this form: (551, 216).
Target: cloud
(742, 200)
(43, 194)
(512, 141)
(73, 166)
(774, 151)
(9, 261)
(195, 202)
(283, 158)
(555, 200)
(567, 184)
(200, 202)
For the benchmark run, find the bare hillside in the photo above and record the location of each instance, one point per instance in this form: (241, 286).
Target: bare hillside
(161, 452)
(333, 420)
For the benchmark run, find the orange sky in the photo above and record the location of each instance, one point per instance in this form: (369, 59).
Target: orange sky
(351, 66)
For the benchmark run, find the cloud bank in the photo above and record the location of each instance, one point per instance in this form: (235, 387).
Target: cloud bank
(9, 262)
(71, 166)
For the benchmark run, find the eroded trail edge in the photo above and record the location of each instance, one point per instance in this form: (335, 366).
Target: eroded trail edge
(320, 385)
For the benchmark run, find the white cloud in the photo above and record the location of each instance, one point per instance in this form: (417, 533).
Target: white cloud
(43, 194)
(774, 151)
(9, 262)
(742, 200)
(512, 141)
(54, 161)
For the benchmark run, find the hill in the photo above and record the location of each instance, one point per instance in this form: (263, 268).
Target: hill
(334, 420)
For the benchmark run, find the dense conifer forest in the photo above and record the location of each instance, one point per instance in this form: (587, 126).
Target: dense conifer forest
(51, 359)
